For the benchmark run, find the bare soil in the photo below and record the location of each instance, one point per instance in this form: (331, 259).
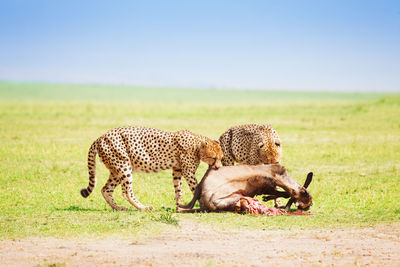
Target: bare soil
(196, 245)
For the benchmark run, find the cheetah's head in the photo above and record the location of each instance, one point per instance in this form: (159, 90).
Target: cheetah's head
(270, 147)
(211, 153)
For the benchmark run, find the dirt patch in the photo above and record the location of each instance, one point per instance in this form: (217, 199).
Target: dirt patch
(196, 245)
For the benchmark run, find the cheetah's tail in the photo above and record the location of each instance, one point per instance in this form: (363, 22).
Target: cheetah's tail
(85, 192)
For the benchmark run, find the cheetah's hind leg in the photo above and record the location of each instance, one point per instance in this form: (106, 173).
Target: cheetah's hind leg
(126, 182)
(108, 190)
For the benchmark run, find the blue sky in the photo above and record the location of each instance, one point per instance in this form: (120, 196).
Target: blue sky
(278, 45)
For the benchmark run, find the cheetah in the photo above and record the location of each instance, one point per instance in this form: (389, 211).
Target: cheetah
(251, 144)
(143, 149)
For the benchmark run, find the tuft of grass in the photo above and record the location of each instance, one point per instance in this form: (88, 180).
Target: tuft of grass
(350, 141)
(167, 217)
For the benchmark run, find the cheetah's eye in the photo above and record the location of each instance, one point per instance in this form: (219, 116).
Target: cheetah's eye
(277, 144)
(261, 146)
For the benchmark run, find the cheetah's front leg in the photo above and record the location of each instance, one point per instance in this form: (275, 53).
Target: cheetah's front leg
(189, 165)
(228, 160)
(189, 174)
(225, 141)
(177, 180)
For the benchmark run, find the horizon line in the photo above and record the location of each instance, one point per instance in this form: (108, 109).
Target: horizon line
(217, 88)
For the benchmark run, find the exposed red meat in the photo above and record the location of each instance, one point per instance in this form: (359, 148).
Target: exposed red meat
(255, 207)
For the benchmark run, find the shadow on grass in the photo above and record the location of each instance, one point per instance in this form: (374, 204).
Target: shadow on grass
(76, 208)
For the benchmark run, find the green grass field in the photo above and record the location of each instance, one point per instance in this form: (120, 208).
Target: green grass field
(350, 141)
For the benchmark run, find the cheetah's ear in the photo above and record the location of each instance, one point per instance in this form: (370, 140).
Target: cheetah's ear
(205, 144)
